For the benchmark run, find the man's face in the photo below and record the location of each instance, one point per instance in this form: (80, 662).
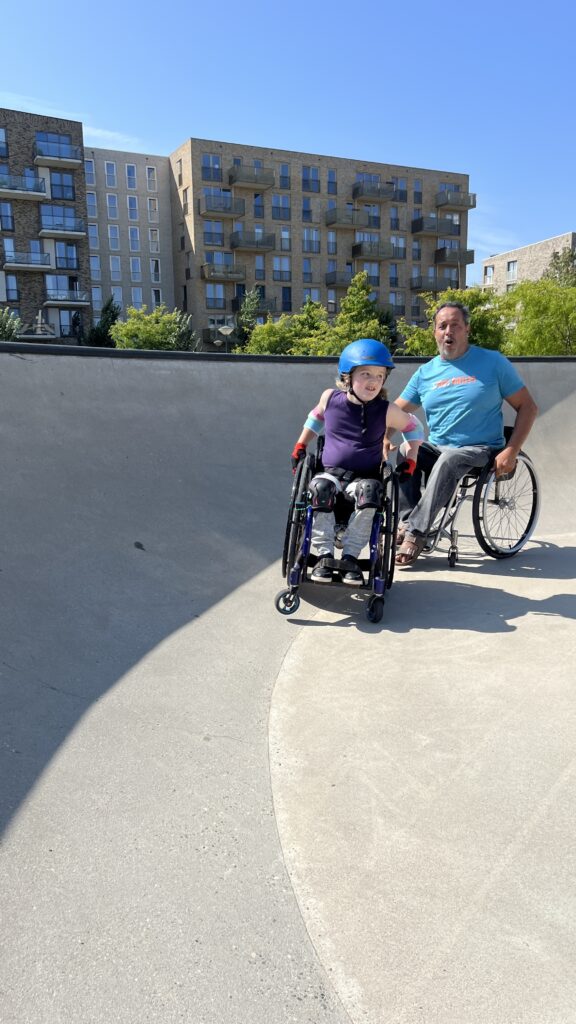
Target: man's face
(451, 333)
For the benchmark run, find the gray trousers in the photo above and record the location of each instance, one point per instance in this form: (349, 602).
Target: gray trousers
(356, 534)
(441, 468)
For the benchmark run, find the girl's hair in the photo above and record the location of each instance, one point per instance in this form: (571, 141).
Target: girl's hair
(343, 383)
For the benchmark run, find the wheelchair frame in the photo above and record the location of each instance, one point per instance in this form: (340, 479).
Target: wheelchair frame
(297, 556)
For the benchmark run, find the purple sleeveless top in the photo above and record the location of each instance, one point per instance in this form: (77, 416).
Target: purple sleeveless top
(345, 445)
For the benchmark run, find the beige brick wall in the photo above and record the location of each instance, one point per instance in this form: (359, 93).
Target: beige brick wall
(527, 263)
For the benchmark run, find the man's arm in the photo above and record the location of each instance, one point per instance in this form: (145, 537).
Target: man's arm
(526, 413)
(406, 406)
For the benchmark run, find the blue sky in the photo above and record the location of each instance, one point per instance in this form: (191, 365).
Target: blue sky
(486, 90)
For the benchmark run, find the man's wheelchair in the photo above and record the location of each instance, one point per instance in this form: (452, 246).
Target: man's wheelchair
(297, 558)
(504, 510)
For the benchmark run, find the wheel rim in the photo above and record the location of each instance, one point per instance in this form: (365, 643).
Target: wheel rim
(506, 511)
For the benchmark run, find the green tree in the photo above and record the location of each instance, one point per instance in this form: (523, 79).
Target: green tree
(562, 268)
(99, 336)
(540, 319)
(248, 314)
(159, 329)
(10, 325)
(487, 325)
(359, 316)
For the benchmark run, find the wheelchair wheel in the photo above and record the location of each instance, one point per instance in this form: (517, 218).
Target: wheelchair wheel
(297, 513)
(505, 511)
(384, 567)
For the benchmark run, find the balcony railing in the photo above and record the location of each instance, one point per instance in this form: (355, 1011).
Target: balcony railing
(22, 183)
(224, 206)
(70, 295)
(65, 225)
(338, 279)
(264, 306)
(435, 226)
(67, 262)
(262, 177)
(419, 283)
(379, 191)
(61, 152)
(455, 256)
(456, 200)
(28, 260)
(223, 272)
(396, 308)
(378, 251)
(250, 240)
(342, 217)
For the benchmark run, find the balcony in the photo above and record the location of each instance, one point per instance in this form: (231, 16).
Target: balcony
(265, 306)
(342, 217)
(250, 241)
(338, 279)
(66, 297)
(251, 177)
(37, 261)
(434, 226)
(57, 154)
(71, 227)
(222, 206)
(456, 257)
(19, 186)
(456, 200)
(396, 308)
(431, 284)
(377, 191)
(377, 251)
(223, 272)
(67, 263)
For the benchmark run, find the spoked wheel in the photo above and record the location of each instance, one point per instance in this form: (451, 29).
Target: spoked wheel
(296, 513)
(387, 538)
(287, 602)
(505, 511)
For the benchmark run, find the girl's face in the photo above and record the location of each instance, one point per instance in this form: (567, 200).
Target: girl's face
(368, 381)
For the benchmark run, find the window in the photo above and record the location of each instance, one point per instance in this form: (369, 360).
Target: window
(132, 207)
(59, 217)
(373, 272)
(398, 243)
(95, 271)
(285, 240)
(213, 233)
(284, 180)
(401, 187)
(55, 144)
(282, 270)
(154, 239)
(153, 215)
(134, 239)
(512, 270)
(259, 267)
(115, 269)
(310, 240)
(332, 246)
(417, 193)
(96, 298)
(211, 167)
(306, 209)
(137, 298)
(312, 293)
(62, 185)
(156, 297)
(151, 182)
(331, 305)
(112, 206)
(131, 176)
(215, 296)
(3, 143)
(12, 293)
(91, 204)
(332, 186)
(155, 271)
(113, 236)
(179, 172)
(394, 218)
(286, 299)
(117, 295)
(367, 178)
(393, 279)
(66, 256)
(65, 321)
(135, 268)
(416, 251)
(310, 179)
(280, 207)
(93, 240)
(307, 270)
(372, 212)
(89, 172)
(110, 173)
(488, 275)
(258, 204)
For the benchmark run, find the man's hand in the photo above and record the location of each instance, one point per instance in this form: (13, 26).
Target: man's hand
(505, 462)
(298, 454)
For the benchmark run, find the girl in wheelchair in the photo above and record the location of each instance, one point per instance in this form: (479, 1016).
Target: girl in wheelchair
(354, 417)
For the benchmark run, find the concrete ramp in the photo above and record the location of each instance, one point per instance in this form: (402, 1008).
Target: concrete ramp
(215, 814)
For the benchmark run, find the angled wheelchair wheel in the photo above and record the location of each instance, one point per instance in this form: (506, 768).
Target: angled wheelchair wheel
(384, 566)
(505, 510)
(297, 513)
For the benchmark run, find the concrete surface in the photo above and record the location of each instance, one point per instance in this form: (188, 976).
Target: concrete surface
(218, 815)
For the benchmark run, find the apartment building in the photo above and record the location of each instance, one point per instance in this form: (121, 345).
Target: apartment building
(504, 271)
(298, 224)
(44, 259)
(129, 229)
(198, 229)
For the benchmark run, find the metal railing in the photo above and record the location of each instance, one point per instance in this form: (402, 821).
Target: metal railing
(58, 150)
(22, 183)
(28, 259)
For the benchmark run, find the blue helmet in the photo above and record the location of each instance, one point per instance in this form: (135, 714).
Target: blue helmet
(364, 352)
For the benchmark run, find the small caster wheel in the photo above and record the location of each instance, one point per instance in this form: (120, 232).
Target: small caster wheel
(286, 602)
(452, 557)
(375, 609)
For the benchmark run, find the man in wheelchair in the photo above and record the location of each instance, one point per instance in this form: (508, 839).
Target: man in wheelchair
(461, 391)
(354, 417)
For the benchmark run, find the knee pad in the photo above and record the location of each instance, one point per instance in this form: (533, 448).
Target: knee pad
(323, 492)
(369, 494)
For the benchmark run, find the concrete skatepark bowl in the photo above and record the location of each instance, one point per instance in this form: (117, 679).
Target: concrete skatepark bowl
(215, 814)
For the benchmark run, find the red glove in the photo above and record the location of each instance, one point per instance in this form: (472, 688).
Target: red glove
(298, 454)
(405, 469)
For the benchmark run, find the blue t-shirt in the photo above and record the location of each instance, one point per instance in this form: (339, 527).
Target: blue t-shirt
(462, 398)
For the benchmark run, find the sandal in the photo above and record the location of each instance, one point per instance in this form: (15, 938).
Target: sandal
(411, 548)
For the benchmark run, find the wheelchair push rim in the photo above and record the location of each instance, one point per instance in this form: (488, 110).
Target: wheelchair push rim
(505, 511)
